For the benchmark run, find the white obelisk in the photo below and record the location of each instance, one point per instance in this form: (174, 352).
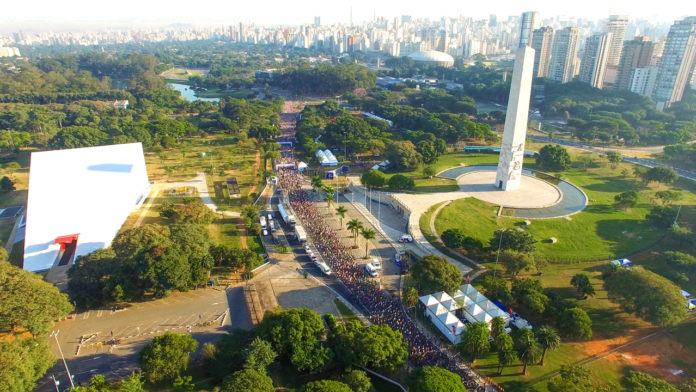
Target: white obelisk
(509, 171)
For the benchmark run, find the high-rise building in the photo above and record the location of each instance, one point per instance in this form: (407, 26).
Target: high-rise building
(643, 80)
(616, 25)
(542, 39)
(527, 28)
(677, 63)
(563, 53)
(317, 21)
(635, 54)
(594, 60)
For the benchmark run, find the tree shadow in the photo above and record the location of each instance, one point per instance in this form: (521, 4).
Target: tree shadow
(614, 184)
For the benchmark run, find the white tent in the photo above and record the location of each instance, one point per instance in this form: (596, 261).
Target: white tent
(445, 320)
(78, 200)
(476, 307)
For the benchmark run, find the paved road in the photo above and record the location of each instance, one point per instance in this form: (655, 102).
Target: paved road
(136, 326)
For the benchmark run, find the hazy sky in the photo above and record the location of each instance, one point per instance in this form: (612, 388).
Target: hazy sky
(297, 12)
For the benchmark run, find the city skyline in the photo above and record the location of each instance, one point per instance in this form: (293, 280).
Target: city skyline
(32, 15)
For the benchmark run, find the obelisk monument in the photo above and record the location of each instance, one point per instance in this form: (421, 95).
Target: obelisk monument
(509, 171)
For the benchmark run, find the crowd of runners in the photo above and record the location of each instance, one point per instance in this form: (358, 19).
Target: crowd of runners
(381, 308)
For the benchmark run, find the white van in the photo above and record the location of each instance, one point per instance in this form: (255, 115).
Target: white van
(406, 238)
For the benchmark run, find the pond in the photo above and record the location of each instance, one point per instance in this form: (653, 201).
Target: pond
(189, 94)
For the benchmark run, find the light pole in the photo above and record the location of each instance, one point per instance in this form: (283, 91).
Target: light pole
(55, 382)
(70, 377)
(500, 243)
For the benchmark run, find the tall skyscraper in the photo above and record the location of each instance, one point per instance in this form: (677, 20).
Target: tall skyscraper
(542, 39)
(563, 53)
(594, 60)
(527, 28)
(677, 63)
(317, 21)
(635, 54)
(509, 172)
(616, 25)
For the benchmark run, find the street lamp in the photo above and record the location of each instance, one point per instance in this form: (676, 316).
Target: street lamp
(55, 382)
(70, 377)
(497, 256)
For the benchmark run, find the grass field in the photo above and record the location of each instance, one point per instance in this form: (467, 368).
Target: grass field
(178, 73)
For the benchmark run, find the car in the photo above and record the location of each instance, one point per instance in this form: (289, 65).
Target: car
(406, 238)
(307, 248)
(370, 270)
(270, 216)
(376, 263)
(265, 232)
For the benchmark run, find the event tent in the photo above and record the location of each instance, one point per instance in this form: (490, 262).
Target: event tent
(476, 307)
(440, 315)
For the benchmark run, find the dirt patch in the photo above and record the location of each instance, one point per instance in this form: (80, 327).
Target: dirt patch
(656, 356)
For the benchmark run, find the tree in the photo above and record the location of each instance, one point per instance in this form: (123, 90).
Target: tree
(497, 327)
(614, 157)
(401, 182)
(402, 155)
(27, 302)
(78, 136)
(429, 171)
(506, 351)
(373, 179)
(548, 339)
(259, 355)
(643, 382)
(329, 197)
(247, 380)
(496, 289)
(668, 197)
(475, 340)
(23, 361)
(193, 212)
(184, 384)
(433, 274)
(520, 241)
(355, 226)
(647, 294)
(434, 379)
(553, 157)
(367, 234)
(6, 185)
(166, 356)
(341, 212)
(316, 183)
(410, 297)
(626, 200)
(376, 346)
(572, 378)
(582, 284)
(529, 292)
(325, 386)
(688, 386)
(527, 348)
(515, 262)
(575, 323)
(661, 174)
(358, 381)
(661, 217)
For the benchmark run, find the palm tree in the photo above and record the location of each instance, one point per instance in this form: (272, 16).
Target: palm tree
(410, 297)
(341, 212)
(548, 340)
(505, 357)
(368, 234)
(355, 226)
(316, 183)
(329, 198)
(527, 348)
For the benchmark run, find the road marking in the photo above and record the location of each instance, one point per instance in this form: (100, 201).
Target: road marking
(99, 313)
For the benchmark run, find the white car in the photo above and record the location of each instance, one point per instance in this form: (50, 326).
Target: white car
(307, 248)
(406, 238)
(265, 232)
(376, 263)
(371, 270)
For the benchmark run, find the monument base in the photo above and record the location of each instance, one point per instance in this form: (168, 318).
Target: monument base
(532, 193)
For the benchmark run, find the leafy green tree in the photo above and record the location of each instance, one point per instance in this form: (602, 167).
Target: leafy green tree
(572, 378)
(329, 197)
(402, 155)
(475, 340)
(575, 323)
(647, 294)
(661, 174)
(506, 351)
(516, 262)
(642, 382)
(529, 292)
(553, 158)
(401, 182)
(626, 200)
(548, 339)
(316, 183)
(373, 179)
(193, 212)
(496, 289)
(410, 297)
(688, 386)
(582, 284)
(259, 355)
(358, 381)
(376, 346)
(434, 379)
(429, 171)
(497, 327)
(184, 384)
(166, 356)
(341, 212)
(614, 157)
(661, 217)
(23, 361)
(355, 226)
(86, 286)
(680, 260)
(247, 380)
(367, 234)
(325, 386)
(433, 274)
(27, 302)
(78, 136)
(520, 241)
(228, 354)
(6, 185)
(668, 197)
(527, 348)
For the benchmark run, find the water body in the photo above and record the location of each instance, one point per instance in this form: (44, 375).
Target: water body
(189, 94)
